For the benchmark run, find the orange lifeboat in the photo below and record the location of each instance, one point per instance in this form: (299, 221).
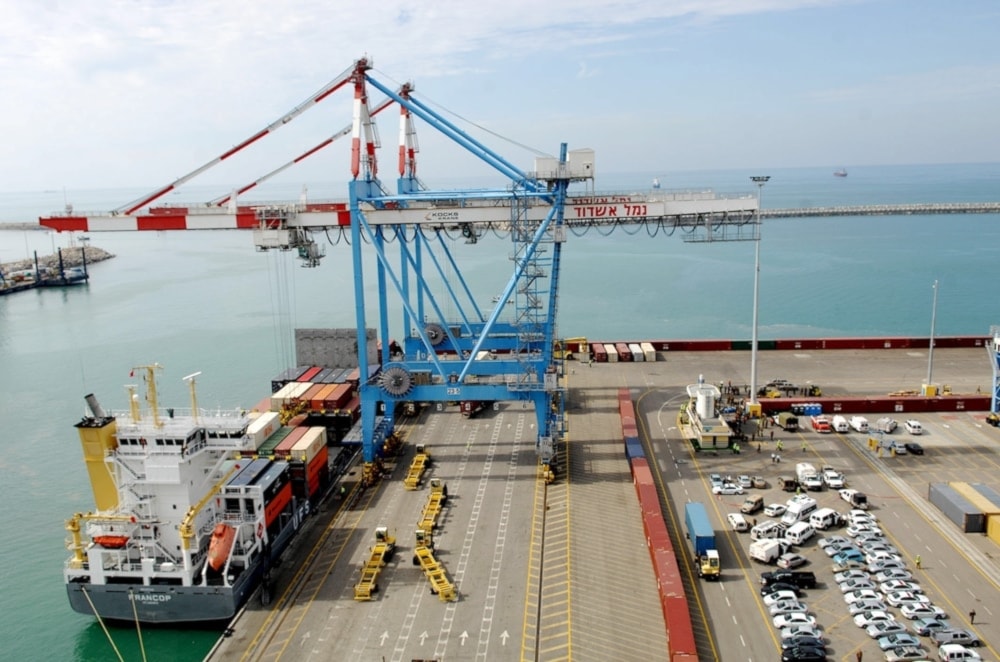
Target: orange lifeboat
(221, 543)
(111, 542)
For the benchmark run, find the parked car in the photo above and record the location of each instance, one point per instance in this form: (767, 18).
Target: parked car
(861, 594)
(795, 618)
(855, 585)
(841, 577)
(957, 652)
(900, 585)
(799, 630)
(778, 596)
(862, 606)
(864, 619)
(897, 640)
(803, 641)
(715, 479)
(905, 653)
(892, 573)
(833, 479)
(913, 427)
(883, 628)
(851, 554)
(839, 548)
(956, 636)
(774, 510)
(803, 654)
(759, 482)
(790, 561)
(800, 578)
(925, 626)
(787, 607)
(914, 448)
(727, 489)
(778, 587)
(879, 566)
(922, 610)
(744, 481)
(833, 540)
(900, 598)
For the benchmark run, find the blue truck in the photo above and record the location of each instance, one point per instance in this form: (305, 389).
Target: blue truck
(702, 537)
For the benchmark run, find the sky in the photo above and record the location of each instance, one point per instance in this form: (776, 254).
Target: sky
(136, 93)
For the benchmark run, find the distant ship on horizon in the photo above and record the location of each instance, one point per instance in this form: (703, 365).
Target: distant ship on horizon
(840, 173)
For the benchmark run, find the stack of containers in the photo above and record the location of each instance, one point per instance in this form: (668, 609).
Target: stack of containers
(309, 463)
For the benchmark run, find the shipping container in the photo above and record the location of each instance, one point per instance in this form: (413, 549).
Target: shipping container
(262, 427)
(648, 351)
(282, 396)
(600, 354)
(277, 503)
(636, 351)
(299, 391)
(623, 351)
(633, 448)
(612, 353)
(316, 404)
(339, 397)
(289, 375)
(956, 508)
(267, 448)
(248, 474)
(309, 444)
(325, 376)
(993, 528)
(313, 393)
(991, 494)
(284, 449)
(974, 497)
(353, 376)
(309, 374)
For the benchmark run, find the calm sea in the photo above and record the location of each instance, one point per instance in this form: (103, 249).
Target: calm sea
(206, 301)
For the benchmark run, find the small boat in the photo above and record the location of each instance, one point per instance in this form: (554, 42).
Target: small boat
(219, 546)
(840, 173)
(111, 542)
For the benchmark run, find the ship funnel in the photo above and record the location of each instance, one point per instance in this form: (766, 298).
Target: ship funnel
(95, 407)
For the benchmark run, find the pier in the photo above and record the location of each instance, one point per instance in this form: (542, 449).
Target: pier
(914, 209)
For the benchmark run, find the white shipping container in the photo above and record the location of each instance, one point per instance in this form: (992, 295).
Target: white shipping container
(263, 427)
(612, 353)
(306, 448)
(282, 396)
(648, 351)
(301, 388)
(637, 353)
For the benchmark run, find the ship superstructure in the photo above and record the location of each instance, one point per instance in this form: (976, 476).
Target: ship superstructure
(184, 527)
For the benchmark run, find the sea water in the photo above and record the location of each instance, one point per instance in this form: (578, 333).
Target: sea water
(208, 302)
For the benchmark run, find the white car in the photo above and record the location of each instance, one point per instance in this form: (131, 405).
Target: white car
(893, 573)
(856, 585)
(862, 606)
(727, 489)
(774, 510)
(831, 540)
(876, 630)
(787, 607)
(800, 630)
(858, 516)
(855, 529)
(899, 585)
(778, 596)
(880, 566)
(744, 481)
(833, 479)
(915, 610)
(865, 619)
(862, 594)
(900, 598)
(913, 427)
(795, 618)
(842, 577)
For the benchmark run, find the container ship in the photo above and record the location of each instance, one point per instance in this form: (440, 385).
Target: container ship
(192, 508)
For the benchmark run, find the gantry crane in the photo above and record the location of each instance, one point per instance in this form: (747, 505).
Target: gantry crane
(455, 348)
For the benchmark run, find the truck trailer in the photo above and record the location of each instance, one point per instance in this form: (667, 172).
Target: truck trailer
(702, 537)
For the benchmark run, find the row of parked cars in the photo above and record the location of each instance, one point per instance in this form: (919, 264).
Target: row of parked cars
(873, 578)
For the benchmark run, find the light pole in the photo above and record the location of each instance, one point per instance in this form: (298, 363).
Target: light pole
(930, 351)
(759, 180)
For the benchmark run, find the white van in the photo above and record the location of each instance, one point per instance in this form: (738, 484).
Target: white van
(767, 530)
(799, 533)
(738, 522)
(859, 423)
(799, 510)
(824, 518)
(840, 424)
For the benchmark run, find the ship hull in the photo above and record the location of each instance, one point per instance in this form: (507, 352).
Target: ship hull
(164, 605)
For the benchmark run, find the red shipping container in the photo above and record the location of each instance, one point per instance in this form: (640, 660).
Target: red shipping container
(284, 449)
(308, 375)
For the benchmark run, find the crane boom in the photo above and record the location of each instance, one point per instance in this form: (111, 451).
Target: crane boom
(323, 93)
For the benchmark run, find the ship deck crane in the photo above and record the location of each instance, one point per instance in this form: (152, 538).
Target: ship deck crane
(454, 349)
